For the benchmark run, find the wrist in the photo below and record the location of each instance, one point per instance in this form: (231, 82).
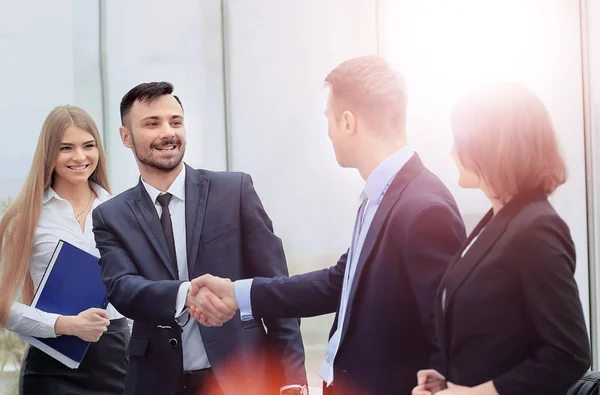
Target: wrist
(65, 325)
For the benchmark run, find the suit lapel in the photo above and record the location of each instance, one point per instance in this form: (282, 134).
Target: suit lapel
(490, 229)
(406, 174)
(146, 215)
(196, 196)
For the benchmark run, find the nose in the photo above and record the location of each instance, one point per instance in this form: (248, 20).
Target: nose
(78, 155)
(167, 132)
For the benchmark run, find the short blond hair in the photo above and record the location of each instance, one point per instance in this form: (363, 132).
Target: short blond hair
(504, 133)
(370, 87)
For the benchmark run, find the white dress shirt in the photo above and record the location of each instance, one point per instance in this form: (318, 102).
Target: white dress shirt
(57, 222)
(194, 354)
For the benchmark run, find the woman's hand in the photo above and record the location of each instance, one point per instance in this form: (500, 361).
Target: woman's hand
(88, 325)
(454, 389)
(487, 388)
(429, 382)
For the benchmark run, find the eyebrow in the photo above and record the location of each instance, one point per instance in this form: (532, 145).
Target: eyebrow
(71, 144)
(155, 117)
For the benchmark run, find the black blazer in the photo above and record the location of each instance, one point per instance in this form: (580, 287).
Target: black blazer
(388, 332)
(228, 234)
(511, 311)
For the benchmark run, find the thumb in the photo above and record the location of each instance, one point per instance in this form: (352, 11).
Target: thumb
(201, 281)
(194, 289)
(100, 312)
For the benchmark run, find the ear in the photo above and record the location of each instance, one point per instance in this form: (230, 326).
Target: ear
(348, 122)
(126, 137)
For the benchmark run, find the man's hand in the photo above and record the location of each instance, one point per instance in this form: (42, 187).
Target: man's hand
(211, 300)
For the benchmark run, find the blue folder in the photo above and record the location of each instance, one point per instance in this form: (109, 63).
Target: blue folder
(71, 284)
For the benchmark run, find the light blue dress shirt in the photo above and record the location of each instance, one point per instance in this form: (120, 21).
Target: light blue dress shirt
(371, 196)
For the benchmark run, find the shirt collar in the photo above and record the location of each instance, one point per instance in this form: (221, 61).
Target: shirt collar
(102, 193)
(382, 176)
(177, 188)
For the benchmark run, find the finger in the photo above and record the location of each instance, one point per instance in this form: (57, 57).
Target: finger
(202, 320)
(212, 306)
(422, 376)
(197, 315)
(101, 312)
(221, 306)
(211, 321)
(419, 390)
(192, 310)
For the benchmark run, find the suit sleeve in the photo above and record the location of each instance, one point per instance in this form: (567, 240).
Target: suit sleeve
(434, 237)
(545, 256)
(304, 295)
(264, 256)
(134, 296)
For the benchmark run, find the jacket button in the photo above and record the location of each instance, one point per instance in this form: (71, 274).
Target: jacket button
(173, 342)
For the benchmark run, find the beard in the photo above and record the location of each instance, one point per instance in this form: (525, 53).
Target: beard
(161, 164)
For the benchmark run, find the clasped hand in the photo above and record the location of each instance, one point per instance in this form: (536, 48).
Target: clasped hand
(211, 300)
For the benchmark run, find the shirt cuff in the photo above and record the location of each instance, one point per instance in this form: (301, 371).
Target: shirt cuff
(181, 313)
(242, 295)
(49, 320)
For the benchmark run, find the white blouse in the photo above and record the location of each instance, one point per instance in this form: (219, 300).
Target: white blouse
(57, 221)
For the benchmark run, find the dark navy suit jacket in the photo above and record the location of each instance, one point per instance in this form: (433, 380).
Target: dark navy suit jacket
(229, 235)
(388, 332)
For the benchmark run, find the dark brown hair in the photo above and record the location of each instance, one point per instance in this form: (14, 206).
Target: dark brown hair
(504, 133)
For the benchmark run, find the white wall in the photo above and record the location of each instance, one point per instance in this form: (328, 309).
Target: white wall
(179, 42)
(40, 69)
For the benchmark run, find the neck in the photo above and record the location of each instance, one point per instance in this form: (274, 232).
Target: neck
(75, 193)
(160, 179)
(497, 204)
(375, 152)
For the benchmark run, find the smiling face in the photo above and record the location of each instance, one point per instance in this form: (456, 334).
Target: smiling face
(156, 133)
(77, 156)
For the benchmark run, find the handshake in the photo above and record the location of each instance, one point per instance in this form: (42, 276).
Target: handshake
(211, 300)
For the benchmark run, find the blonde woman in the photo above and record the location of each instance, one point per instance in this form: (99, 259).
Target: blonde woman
(67, 180)
(508, 316)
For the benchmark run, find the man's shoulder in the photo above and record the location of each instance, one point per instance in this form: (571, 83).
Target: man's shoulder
(119, 200)
(427, 189)
(222, 177)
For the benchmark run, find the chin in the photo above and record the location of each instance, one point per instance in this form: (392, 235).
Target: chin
(466, 184)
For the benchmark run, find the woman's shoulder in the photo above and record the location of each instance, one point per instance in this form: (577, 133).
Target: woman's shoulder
(537, 214)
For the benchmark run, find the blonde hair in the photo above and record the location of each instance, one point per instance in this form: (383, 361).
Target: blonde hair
(504, 133)
(19, 222)
(370, 87)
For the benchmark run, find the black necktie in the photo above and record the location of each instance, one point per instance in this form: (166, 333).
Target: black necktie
(167, 226)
